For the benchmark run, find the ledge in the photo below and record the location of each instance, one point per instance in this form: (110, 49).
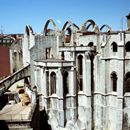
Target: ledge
(127, 94)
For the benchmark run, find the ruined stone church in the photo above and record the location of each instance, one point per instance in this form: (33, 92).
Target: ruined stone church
(82, 74)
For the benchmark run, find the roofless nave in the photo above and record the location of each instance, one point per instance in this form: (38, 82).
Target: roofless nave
(82, 74)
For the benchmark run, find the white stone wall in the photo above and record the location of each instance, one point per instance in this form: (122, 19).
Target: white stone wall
(99, 108)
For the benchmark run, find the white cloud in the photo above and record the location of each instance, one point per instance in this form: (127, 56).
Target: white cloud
(59, 21)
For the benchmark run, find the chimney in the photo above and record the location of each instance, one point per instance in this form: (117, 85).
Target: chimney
(128, 20)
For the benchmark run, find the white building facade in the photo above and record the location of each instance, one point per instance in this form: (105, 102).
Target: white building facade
(83, 75)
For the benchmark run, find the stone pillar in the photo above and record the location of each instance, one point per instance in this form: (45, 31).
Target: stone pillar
(111, 112)
(59, 92)
(35, 76)
(40, 85)
(44, 83)
(59, 83)
(72, 82)
(99, 91)
(44, 88)
(84, 97)
(26, 51)
(71, 99)
(88, 91)
(120, 79)
(102, 74)
(87, 75)
(126, 116)
(97, 74)
(99, 111)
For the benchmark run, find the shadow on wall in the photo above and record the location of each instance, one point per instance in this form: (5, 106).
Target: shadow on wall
(44, 120)
(3, 125)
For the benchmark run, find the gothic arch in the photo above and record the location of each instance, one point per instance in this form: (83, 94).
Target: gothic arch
(52, 83)
(85, 28)
(109, 29)
(28, 30)
(114, 47)
(46, 26)
(114, 81)
(68, 29)
(74, 26)
(127, 46)
(90, 44)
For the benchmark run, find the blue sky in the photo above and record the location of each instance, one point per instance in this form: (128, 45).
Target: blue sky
(16, 14)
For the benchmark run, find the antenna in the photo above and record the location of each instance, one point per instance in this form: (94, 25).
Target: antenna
(1, 29)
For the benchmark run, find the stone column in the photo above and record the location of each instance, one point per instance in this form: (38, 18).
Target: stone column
(102, 77)
(35, 76)
(98, 111)
(71, 99)
(126, 116)
(97, 74)
(44, 88)
(87, 75)
(59, 92)
(111, 112)
(99, 97)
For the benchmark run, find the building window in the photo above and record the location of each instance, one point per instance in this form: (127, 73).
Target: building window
(127, 47)
(80, 72)
(90, 44)
(114, 47)
(48, 53)
(65, 83)
(114, 81)
(127, 82)
(52, 83)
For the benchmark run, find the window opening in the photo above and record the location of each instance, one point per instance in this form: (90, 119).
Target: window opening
(53, 83)
(114, 81)
(114, 47)
(80, 72)
(127, 82)
(65, 83)
(48, 53)
(127, 47)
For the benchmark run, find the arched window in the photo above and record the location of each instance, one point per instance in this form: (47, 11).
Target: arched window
(65, 83)
(127, 82)
(52, 83)
(80, 72)
(114, 81)
(127, 47)
(90, 44)
(114, 47)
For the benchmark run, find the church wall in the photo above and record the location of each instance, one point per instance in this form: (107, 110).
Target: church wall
(96, 105)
